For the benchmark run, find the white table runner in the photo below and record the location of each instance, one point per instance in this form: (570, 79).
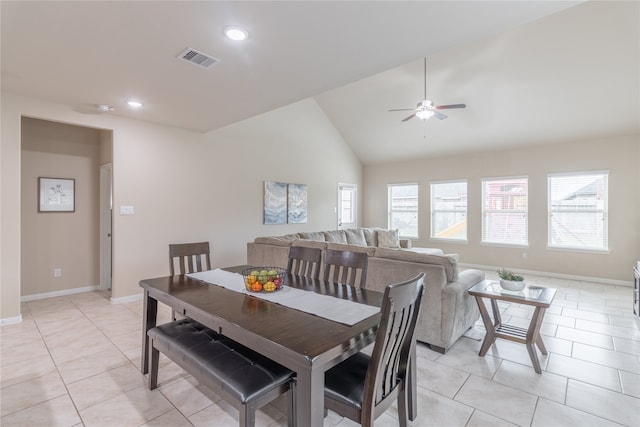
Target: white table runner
(328, 307)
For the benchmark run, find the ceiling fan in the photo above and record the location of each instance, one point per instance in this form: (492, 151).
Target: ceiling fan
(425, 108)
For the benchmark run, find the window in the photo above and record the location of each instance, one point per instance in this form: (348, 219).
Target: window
(504, 211)
(449, 210)
(578, 215)
(403, 209)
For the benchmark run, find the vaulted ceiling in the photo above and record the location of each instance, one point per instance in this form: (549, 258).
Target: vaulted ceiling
(530, 72)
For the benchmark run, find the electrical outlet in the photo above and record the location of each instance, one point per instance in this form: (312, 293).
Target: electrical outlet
(57, 272)
(524, 255)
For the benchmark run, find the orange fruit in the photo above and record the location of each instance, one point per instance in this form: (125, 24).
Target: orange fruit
(256, 287)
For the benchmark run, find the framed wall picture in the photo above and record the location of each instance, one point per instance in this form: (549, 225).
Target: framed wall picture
(297, 204)
(56, 194)
(275, 202)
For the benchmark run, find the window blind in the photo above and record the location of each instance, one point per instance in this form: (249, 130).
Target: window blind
(578, 210)
(505, 210)
(403, 209)
(449, 210)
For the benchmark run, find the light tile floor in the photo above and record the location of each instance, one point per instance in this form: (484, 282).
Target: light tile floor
(75, 360)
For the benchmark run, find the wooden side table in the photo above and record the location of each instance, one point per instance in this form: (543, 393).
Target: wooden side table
(537, 296)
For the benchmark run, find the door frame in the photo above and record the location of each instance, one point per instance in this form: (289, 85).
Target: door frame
(106, 226)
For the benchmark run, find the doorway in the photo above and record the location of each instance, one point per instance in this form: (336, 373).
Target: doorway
(60, 252)
(347, 206)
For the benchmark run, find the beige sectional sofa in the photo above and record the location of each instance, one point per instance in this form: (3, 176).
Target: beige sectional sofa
(447, 311)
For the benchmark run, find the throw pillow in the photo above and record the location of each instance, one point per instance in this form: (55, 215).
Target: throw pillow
(335, 236)
(388, 239)
(355, 237)
(371, 235)
(318, 236)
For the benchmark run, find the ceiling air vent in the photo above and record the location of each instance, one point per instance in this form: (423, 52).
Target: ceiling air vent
(198, 58)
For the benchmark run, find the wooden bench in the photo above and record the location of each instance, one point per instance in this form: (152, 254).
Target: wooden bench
(239, 375)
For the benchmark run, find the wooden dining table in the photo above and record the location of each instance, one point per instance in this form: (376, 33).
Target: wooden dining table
(307, 344)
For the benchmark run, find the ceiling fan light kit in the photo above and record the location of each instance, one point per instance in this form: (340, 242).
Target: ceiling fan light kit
(425, 109)
(424, 114)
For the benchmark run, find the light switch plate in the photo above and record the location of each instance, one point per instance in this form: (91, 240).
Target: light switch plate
(126, 210)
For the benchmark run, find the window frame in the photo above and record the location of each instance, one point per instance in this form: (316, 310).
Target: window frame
(390, 210)
(604, 211)
(485, 211)
(433, 211)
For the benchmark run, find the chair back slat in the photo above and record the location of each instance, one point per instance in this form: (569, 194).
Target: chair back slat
(346, 267)
(395, 337)
(190, 257)
(304, 261)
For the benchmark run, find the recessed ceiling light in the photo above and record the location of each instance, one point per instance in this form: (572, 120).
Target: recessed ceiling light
(236, 33)
(134, 104)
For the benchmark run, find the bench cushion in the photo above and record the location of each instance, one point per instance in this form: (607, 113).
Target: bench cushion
(218, 360)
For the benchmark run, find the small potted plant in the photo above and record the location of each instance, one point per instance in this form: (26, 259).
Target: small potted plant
(510, 281)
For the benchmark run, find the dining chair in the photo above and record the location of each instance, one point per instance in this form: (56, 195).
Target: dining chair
(190, 257)
(345, 267)
(304, 261)
(362, 387)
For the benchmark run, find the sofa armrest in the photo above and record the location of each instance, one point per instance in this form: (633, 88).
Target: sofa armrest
(459, 309)
(467, 278)
(259, 254)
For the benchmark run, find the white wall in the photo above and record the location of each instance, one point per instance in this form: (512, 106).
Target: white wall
(618, 155)
(186, 186)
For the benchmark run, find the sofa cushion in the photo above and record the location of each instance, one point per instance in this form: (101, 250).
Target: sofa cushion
(355, 237)
(431, 251)
(335, 236)
(371, 235)
(369, 250)
(309, 243)
(277, 240)
(448, 261)
(388, 239)
(318, 236)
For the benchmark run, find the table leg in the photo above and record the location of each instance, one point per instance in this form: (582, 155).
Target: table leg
(310, 397)
(149, 318)
(533, 338)
(497, 319)
(490, 337)
(540, 344)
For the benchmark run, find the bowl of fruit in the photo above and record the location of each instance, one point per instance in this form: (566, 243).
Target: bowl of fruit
(263, 279)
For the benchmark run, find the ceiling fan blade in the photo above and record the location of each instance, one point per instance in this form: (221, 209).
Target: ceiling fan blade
(409, 118)
(446, 107)
(403, 109)
(439, 115)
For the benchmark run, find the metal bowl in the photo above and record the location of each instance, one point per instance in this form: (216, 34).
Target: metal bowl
(263, 279)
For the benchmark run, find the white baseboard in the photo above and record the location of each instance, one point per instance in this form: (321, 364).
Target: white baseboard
(556, 275)
(64, 292)
(129, 298)
(11, 320)
(58, 293)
